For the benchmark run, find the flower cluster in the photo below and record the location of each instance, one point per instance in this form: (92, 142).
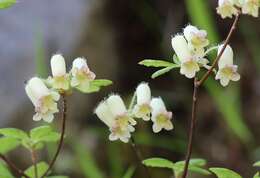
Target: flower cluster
(228, 8)
(45, 94)
(190, 49)
(112, 111)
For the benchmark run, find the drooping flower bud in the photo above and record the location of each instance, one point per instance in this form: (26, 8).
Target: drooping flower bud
(227, 70)
(81, 74)
(226, 8)
(104, 113)
(43, 99)
(142, 109)
(160, 116)
(58, 66)
(60, 79)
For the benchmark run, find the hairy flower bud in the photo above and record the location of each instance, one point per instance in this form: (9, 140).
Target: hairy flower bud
(226, 8)
(250, 7)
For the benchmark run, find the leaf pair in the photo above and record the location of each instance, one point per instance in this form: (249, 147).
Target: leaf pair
(12, 138)
(167, 66)
(196, 165)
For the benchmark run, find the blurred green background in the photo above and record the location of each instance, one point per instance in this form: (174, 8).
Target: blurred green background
(114, 37)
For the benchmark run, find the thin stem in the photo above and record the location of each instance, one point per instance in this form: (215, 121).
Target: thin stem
(207, 74)
(34, 161)
(196, 86)
(64, 114)
(192, 127)
(12, 166)
(139, 156)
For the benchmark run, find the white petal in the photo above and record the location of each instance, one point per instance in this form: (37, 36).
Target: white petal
(156, 128)
(235, 77)
(181, 48)
(226, 58)
(224, 81)
(143, 94)
(113, 137)
(189, 30)
(48, 118)
(79, 63)
(37, 88)
(37, 117)
(157, 105)
(168, 125)
(116, 105)
(104, 114)
(58, 66)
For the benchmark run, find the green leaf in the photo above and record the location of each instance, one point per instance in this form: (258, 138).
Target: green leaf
(39, 132)
(256, 164)
(158, 162)
(155, 63)
(176, 60)
(13, 133)
(164, 70)
(224, 173)
(94, 86)
(44, 134)
(195, 165)
(256, 175)
(8, 144)
(130, 172)
(41, 168)
(195, 162)
(6, 3)
(4, 172)
(57, 177)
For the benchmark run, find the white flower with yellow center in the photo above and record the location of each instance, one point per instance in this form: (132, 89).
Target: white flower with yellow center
(113, 113)
(160, 116)
(250, 7)
(60, 79)
(226, 8)
(44, 100)
(197, 39)
(143, 109)
(227, 71)
(81, 74)
(189, 63)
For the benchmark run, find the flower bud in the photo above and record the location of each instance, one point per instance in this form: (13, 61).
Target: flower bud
(79, 63)
(226, 58)
(58, 66)
(180, 46)
(143, 94)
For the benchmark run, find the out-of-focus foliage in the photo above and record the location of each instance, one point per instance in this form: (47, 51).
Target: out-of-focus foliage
(6, 3)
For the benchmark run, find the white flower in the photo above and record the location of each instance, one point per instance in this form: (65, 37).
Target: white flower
(113, 113)
(227, 71)
(250, 7)
(142, 109)
(189, 63)
(197, 39)
(43, 99)
(226, 8)
(160, 116)
(60, 79)
(81, 74)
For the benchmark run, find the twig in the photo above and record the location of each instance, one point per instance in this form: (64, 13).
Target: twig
(139, 156)
(192, 127)
(34, 161)
(13, 166)
(64, 114)
(197, 84)
(207, 74)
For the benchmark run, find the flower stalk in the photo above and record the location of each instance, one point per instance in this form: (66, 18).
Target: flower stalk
(64, 115)
(196, 87)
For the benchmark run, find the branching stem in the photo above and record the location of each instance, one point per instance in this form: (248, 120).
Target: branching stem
(12, 166)
(196, 87)
(34, 161)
